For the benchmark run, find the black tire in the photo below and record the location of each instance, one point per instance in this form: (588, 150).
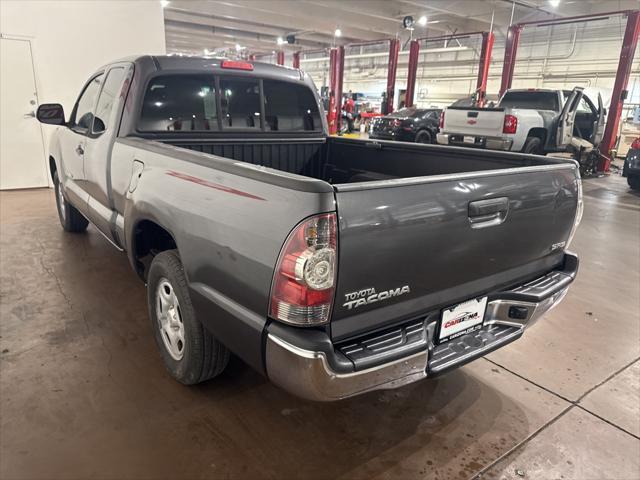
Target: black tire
(634, 182)
(203, 357)
(70, 218)
(532, 145)
(424, 136)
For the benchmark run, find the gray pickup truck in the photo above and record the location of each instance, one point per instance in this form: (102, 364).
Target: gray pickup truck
(333, 266)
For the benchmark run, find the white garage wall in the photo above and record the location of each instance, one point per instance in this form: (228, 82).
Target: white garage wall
(71, 39)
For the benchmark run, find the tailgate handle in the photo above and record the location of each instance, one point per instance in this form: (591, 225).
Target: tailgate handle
(487, 213)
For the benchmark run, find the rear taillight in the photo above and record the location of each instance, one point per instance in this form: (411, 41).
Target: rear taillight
(441, 125)
(304, 280)
(636, 144)
(510, 124)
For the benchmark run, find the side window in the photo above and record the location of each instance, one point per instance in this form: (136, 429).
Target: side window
(82, 117)
(240, 103)
(108, 98)
(584, 107)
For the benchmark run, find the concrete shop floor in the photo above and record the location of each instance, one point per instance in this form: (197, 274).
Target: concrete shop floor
(84, 394)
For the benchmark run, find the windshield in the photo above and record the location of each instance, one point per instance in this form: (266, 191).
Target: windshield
(531, 100)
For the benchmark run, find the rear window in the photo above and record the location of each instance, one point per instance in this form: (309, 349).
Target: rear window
(532, 100)
(179, 103)
(290, 107)
(185, 102)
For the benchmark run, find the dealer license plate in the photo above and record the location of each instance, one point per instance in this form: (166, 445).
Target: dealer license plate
(461, 319)
(467, 139)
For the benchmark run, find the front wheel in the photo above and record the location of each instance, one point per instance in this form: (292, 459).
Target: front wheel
(70, 218)
(190, 353)
(634, 182)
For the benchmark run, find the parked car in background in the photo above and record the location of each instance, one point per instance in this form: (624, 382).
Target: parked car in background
(527, 120)
(418, 125)
(333, 266)
(631, 168)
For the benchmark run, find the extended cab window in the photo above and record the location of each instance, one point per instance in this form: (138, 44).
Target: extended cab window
(179, 103)
(290, 107)
(108, 98)
(531, 100)
(82, 117)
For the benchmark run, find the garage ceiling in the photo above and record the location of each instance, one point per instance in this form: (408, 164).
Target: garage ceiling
(193, 26)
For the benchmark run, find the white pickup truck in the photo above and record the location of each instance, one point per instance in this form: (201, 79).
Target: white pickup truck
(528, 120)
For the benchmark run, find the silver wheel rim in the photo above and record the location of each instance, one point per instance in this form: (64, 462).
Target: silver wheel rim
(61, 202)
(170, 319)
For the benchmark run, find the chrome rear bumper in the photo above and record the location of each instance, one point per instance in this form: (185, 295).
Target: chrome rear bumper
(309, 374)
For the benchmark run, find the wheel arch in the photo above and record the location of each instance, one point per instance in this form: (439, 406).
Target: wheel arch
(147, 238)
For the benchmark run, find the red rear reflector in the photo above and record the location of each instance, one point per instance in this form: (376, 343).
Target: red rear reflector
(636, 144)
(234, 64)
(510, 124)
(442, 119)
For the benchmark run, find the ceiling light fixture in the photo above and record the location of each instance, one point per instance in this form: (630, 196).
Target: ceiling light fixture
(554, 3)
(422, 20)
(338, 32)
(164, 3)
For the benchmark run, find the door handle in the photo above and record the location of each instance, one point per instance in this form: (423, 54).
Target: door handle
(487, 213)
(29, 115)
(80, 150)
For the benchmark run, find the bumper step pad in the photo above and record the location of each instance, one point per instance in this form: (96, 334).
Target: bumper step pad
(468, 347)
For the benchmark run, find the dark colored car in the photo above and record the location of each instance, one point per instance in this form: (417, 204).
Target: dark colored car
(631, 168)
(418, 125)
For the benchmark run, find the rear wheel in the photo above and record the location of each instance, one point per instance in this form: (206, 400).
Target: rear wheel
(70, 218)
(634, 182)
(532, 145)
(424, 136)
(190, 353)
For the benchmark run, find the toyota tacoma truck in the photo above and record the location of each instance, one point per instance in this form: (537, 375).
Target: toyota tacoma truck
(333, 266)
(528, 120)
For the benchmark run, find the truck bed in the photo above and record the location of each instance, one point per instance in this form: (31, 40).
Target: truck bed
(340, 160)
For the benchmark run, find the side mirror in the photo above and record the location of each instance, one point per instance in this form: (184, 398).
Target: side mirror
(51, 113)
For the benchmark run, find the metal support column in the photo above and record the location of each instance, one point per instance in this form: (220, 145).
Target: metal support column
(394, 49)
(510, 52)
(331, 114)
(296, 59)
(629, 43)
(414, 52)
(280, 57)
(483, 68)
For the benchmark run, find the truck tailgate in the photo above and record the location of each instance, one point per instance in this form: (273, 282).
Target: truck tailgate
(414, 246)
(476, 121)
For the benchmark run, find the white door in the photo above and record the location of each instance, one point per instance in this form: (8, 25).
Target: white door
(567, 118)
(22, 156)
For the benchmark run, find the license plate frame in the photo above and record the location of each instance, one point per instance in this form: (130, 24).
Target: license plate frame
(453, 323)
(468, 139)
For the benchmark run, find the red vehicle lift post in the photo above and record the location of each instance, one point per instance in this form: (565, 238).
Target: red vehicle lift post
(394, 50)
(629, 43)
(331, 114)
(414, 53)
(483, 68)
(483, 71)
(339, 80)
(296, 59)
(280, 57)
